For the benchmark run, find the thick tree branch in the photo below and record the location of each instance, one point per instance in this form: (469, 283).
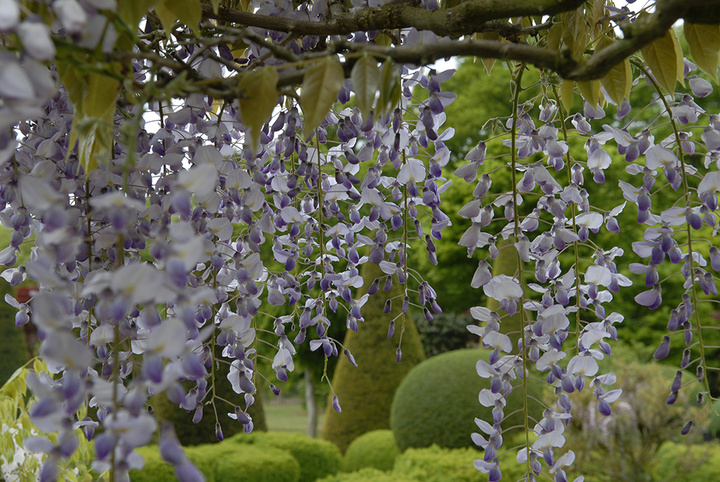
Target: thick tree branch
(467, 17)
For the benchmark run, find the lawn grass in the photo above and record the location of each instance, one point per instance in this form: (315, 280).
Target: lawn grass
(289, 416)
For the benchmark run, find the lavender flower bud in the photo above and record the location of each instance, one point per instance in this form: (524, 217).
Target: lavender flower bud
(336, 404)
(686, 428)
(685, 358)
(663, 350)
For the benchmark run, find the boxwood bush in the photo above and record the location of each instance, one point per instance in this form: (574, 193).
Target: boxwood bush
(317, 458)
(436, 464)
(687, 463)
(376, 449)
(368, 475)
(224, 462)
(437, 402)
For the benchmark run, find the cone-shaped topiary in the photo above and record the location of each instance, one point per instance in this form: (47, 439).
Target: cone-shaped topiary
(437, 402)
(190, 433)
(365, 392)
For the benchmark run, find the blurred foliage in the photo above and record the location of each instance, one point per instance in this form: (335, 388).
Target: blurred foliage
(445, 332)
(12, 339)
(623, 446)
(366, 392)
(376, 449)
(20, 465)
(438, 401)
(368, 475)
(686, 463)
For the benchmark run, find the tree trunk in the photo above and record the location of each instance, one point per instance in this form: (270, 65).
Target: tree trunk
(311, 404)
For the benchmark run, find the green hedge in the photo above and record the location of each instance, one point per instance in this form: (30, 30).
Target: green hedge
(436, 464)
(224, 462)
(688, 463)
(437, 402)
(376, 449)
(368, 475)
(366, 391)
(317, 458)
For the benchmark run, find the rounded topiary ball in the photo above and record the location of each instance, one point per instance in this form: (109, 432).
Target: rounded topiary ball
(437, 402)
(376, 449)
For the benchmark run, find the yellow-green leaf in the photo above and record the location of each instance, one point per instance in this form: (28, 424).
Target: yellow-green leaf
(188, 12)
(94, 138)
(489, 63)
(131, 11)
(566, 94)
(680, 63)
(320, 88)
(216, 6)
(662, 59)
(575, 32)
(590, 90)
(366, 80)
(704, 42)
(259, 89)
(100, 95)
(554, 36)
(389, 87)
(618, 80)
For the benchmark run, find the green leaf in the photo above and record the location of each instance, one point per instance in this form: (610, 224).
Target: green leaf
(101, 93)
(489, 63)
(216, 6)
(575, 32)
(661, 56)
(554, 36)
(132, 11)
(618, 80)
(94, 138)
(590, 90)
(566, 94)
(188, 12)
(390, 89)
(260, 98)
(704, 42)
(366, 81)
(320, 88)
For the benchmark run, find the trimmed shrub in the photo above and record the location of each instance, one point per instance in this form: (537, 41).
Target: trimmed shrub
(376, 449)
(438, 401)
(687, 463)
(248, 463)
(157, 470)
(224, 462)
(368, 475)
(317, 458)
(436, 464)
(366, 391)
(190, 433)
